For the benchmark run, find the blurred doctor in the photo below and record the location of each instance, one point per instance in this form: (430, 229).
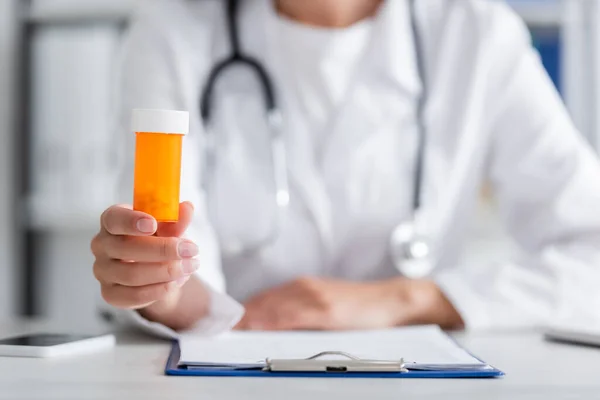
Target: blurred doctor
(363, 90)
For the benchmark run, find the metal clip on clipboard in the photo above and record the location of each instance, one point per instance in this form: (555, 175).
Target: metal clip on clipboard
(349, 364)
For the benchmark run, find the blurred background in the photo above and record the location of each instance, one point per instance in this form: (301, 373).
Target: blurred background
(57, 165)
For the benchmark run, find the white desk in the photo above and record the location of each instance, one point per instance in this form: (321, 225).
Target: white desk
(134, 370)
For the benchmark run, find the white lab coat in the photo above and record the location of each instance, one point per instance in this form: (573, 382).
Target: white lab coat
(492, 115)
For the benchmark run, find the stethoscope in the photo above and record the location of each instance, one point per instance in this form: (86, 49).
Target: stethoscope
(409, 249)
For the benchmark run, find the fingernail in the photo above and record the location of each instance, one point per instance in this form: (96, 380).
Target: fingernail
(146, 225)
(189, 266)
(187, 249)
(181, 281)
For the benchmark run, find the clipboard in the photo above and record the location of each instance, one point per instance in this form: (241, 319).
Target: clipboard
(316, 367)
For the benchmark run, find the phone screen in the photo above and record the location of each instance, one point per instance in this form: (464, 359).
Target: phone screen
(42, 340)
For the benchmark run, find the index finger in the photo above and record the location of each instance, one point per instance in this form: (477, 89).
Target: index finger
(122, 220)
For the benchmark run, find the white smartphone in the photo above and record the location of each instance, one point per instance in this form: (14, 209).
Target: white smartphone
(44, 345)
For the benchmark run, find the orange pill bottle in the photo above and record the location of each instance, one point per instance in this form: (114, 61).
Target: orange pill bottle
(157, 173)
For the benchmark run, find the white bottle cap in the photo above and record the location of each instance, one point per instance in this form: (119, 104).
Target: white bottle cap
(160, 121)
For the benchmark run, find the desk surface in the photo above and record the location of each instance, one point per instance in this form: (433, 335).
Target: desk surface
(134, 369)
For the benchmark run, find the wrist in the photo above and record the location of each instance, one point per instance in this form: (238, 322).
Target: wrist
(182, 309)
(436, 308)
(159, 310)
(420, 302)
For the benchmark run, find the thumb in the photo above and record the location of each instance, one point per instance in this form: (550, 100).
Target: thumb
(176, 229)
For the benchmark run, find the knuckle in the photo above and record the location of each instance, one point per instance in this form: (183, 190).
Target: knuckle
(110, 245)
(96, 270)
(322, 301)
(119, 246)
(106, 218)
(294, 318)
(164, 247)
(103, 218)
(302, 281)
(328, 309)
(164, 289)
(107, 294)
(297, 319)
(173, 270)
(167, 248)
(96, 245)
(306, 283)
(329, 312)
(128, 275)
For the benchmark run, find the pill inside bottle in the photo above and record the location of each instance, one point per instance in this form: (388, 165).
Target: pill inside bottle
(157, 170)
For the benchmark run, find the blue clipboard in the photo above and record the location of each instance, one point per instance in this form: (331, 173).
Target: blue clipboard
(173, 369)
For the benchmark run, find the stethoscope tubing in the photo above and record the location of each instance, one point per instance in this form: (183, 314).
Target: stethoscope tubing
(274, 119)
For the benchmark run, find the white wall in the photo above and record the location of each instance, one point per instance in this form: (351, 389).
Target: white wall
(74, 10)
(68, 290)
(581, 65)
(73, 172)
(8, 52)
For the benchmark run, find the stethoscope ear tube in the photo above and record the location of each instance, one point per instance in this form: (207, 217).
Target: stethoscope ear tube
(421, 101)
(235, 57)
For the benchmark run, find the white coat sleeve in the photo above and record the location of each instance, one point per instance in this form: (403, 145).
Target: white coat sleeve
(546, 181)
(147, 78)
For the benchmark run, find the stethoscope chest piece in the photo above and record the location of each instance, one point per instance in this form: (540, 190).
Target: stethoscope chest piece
(411, 251)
